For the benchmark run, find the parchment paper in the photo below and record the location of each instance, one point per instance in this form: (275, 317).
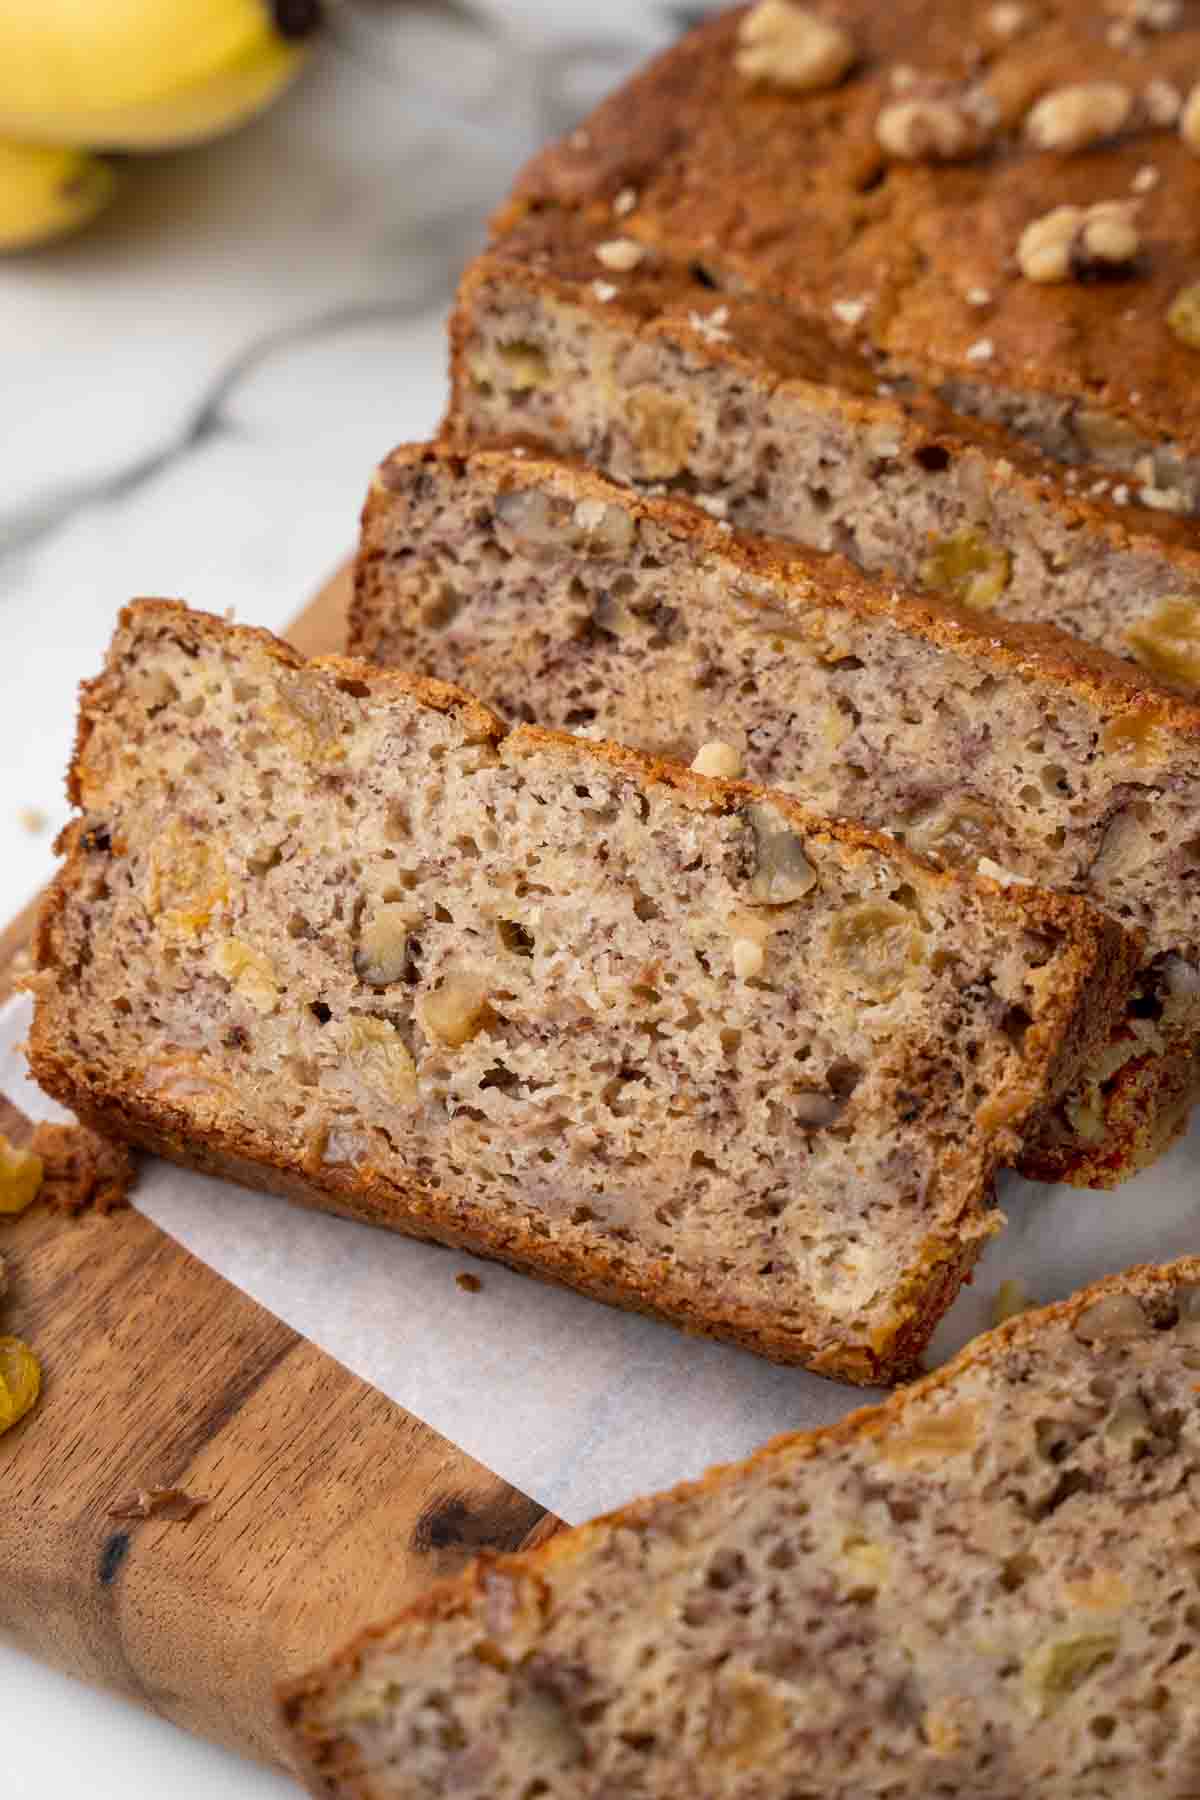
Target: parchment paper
(579, 1405)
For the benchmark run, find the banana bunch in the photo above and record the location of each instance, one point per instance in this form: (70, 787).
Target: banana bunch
(77, 76)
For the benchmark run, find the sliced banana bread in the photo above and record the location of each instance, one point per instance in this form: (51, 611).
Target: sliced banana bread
(987, 1587)
(557, 595)
(674, 1041)
(755, 293)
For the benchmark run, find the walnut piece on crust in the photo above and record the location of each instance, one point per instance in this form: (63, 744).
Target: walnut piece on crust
(1079, 115)
(83, 1171)
(930, 128)
(1075, 241)
(790, 47)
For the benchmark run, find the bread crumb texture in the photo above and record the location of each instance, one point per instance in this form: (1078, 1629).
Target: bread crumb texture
(987, 747)
(670, 1039)
(989, 1587)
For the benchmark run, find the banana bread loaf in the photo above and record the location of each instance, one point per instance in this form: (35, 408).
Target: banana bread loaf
(763, 297)
(556, 595)
(674, 1041)
(985, 1588)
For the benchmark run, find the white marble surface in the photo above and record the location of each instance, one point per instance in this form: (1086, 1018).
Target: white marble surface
(193, 396)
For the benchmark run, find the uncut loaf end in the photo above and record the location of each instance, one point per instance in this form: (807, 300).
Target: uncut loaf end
(987, 1587)
(809, 303)
(673, 1041)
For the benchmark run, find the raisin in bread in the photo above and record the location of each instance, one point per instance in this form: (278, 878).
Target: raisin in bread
(986, 1587)
(733, 287)
(677, 1042)
(555, 594)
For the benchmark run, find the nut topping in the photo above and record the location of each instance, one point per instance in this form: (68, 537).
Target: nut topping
(1075, 241)
(790, 47)
(1007, 19)
(1078, 116)
(1162, 101)
(936, 129)
(621, 254)
(718, 759)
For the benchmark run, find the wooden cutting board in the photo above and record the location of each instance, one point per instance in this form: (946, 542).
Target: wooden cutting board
(328, 1506)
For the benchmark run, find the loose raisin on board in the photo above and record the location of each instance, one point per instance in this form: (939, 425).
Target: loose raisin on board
(20, 1380)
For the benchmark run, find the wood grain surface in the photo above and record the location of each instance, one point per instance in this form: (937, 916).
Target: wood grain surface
(328, 1506)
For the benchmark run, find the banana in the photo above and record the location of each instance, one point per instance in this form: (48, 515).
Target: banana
(45, 192)
(144, 74)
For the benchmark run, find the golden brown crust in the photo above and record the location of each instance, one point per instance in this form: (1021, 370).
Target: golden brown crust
(1147, 1104)
(1096, 965)
(331, 1762)
(1033, 652)
(791, 193)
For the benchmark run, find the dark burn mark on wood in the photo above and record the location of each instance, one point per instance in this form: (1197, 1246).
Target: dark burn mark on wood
(115, 1550)
(456, 1522)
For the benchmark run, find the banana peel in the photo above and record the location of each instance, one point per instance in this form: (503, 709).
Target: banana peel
(45, 193)
(128, 75)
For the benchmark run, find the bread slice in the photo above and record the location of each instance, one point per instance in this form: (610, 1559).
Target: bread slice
(555, 594)
(673, 1041)
(729, 288)
(989, 1586)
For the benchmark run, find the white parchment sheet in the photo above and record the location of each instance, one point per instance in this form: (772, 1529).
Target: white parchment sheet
(579, 1405)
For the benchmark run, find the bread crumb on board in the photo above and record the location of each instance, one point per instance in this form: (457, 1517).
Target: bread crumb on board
(82, 1170)
(158, 1503)
(470, 1284)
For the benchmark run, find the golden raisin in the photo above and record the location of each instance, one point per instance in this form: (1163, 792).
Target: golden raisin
(20, 1380)
(968, 568)
(876, 947)
(1168, 639)
(20, 1177)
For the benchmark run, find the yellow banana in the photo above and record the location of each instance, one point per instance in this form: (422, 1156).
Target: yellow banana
(144, 74)
(45, 192)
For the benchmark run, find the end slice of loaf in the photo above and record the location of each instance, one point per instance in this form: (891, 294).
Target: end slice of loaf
(558, 595)
(749, 288)
(987, 1587)
(674, 1041)
(827, 203)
